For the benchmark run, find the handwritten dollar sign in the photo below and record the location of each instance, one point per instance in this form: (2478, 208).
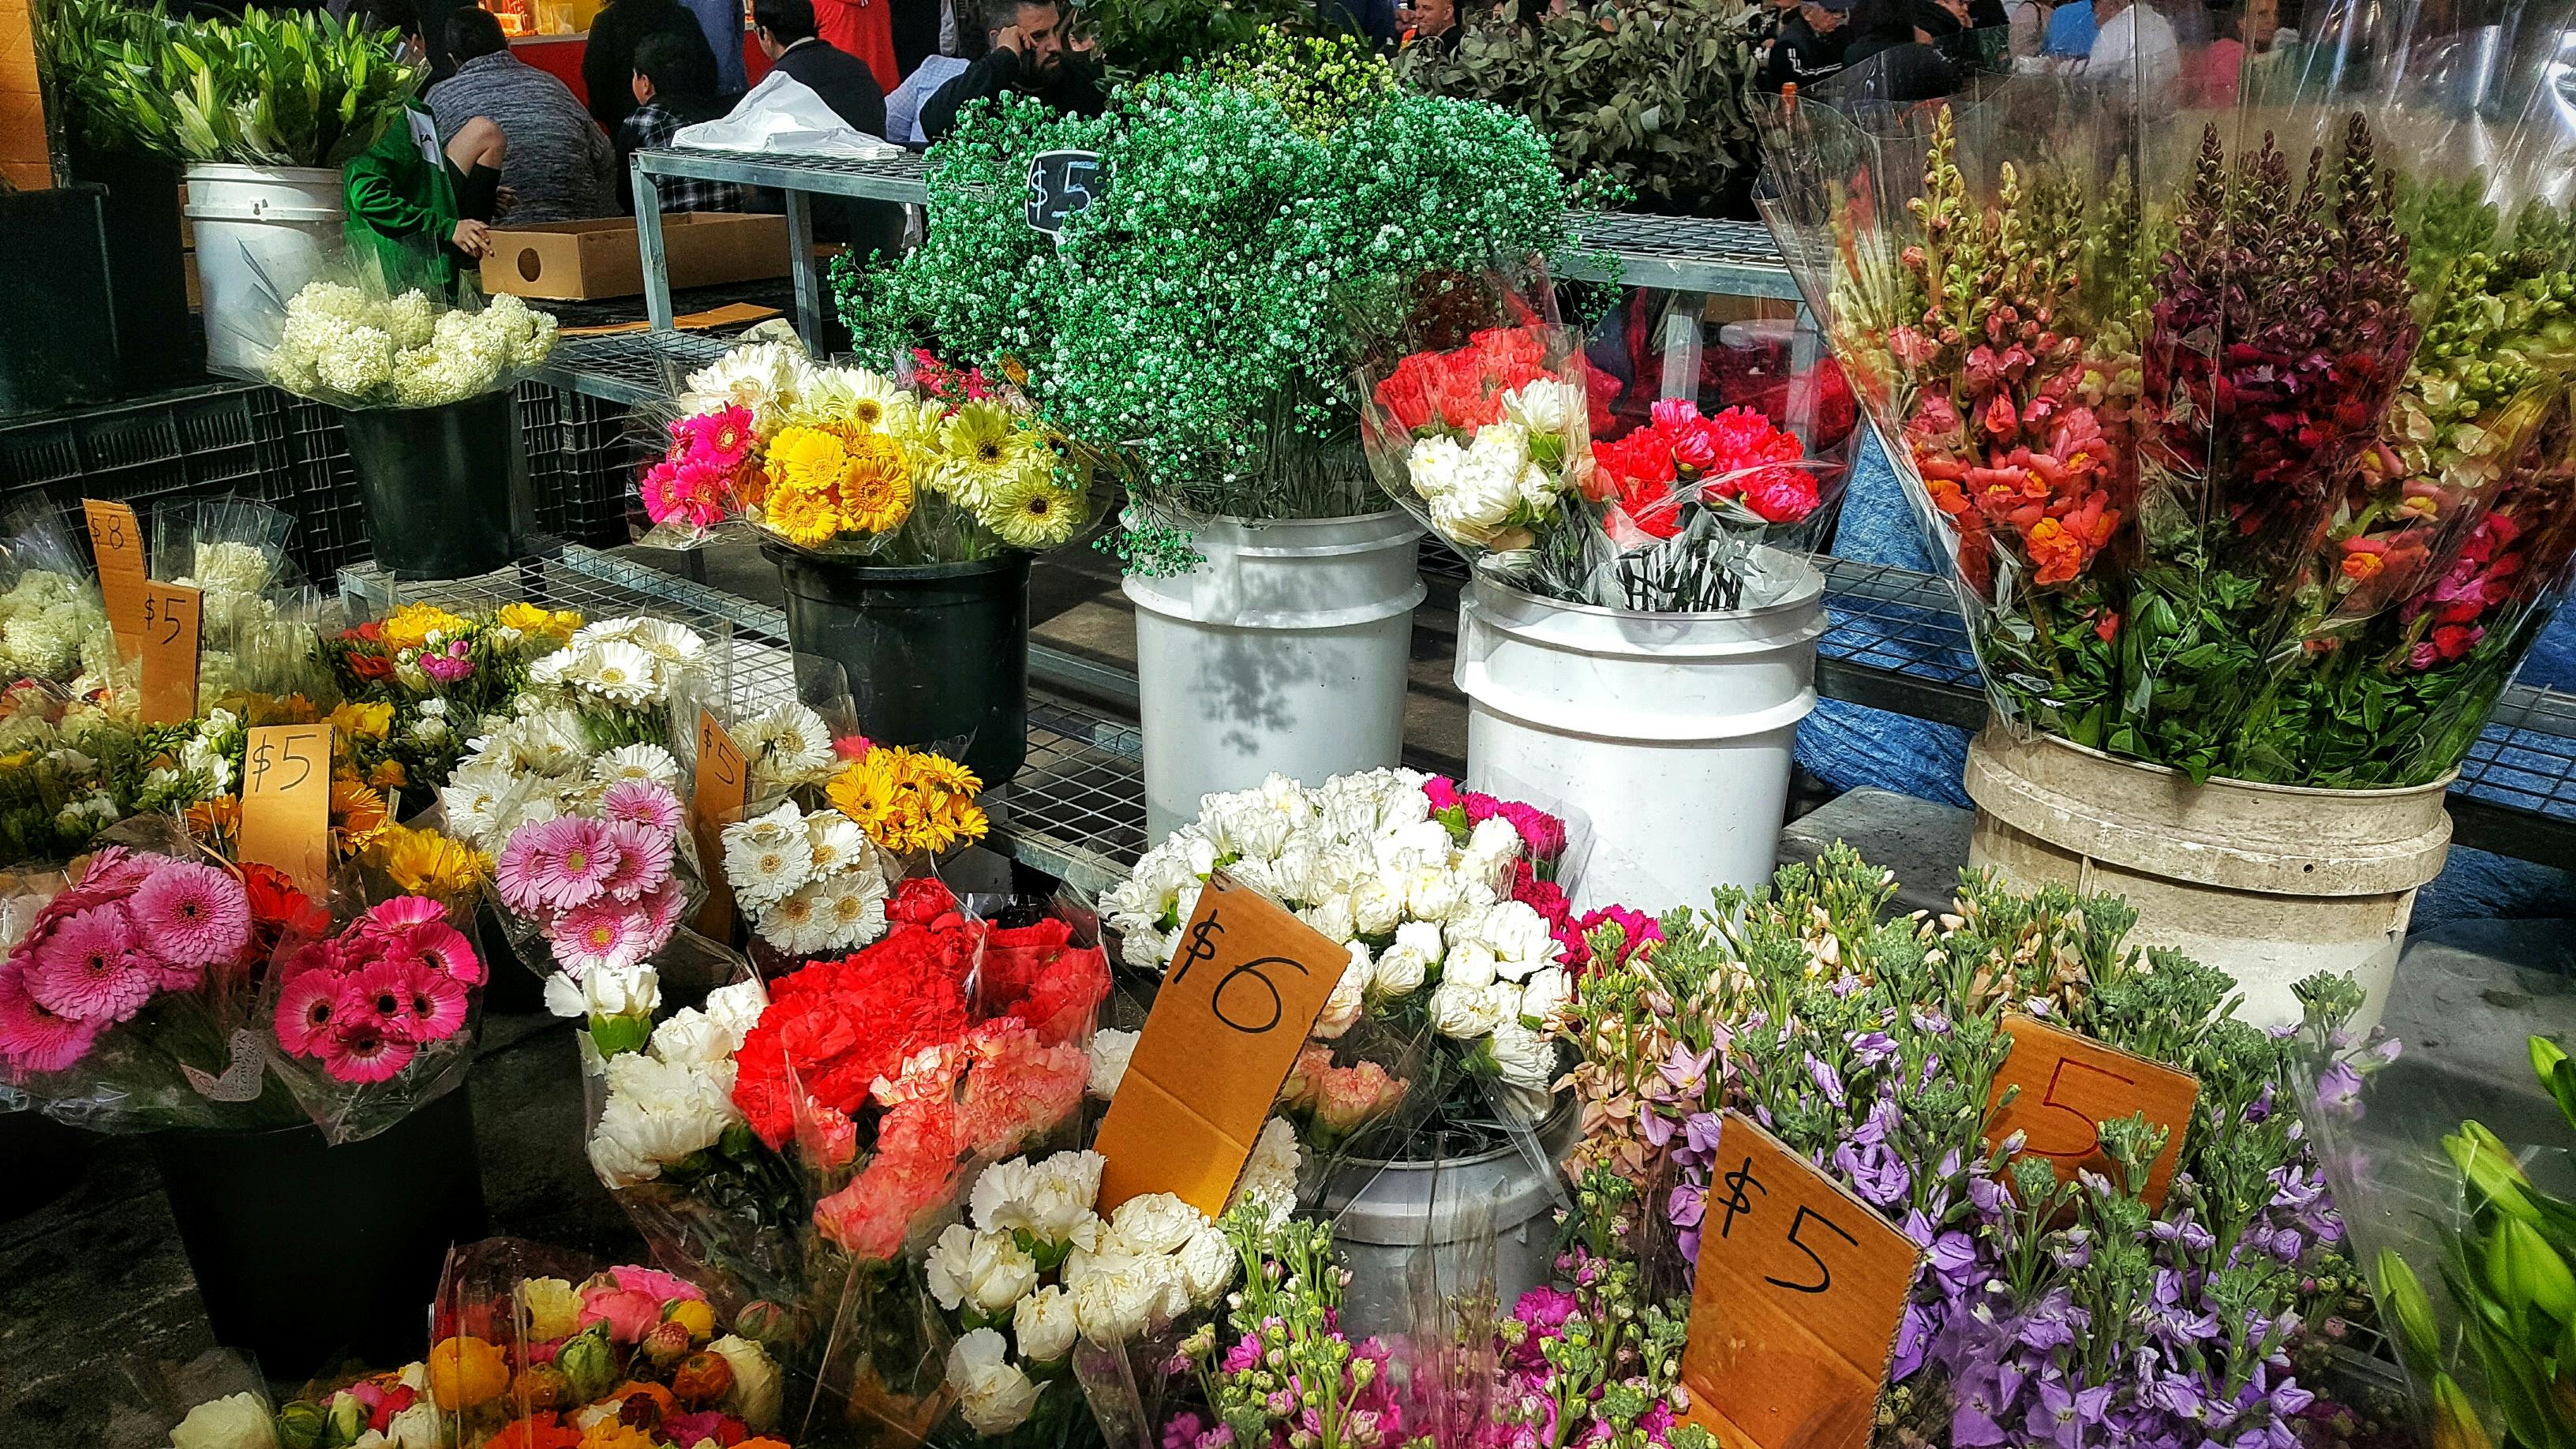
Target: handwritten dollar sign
(1202, 947)
(1736, 1202)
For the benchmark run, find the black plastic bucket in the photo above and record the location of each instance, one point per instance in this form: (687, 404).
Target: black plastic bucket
(446, 488)
(934, 652)
(304, 1250)
(509, 987)
(147, 272)
(45, 1159)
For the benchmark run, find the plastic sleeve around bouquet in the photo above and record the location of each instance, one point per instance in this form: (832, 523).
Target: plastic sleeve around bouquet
(53, 622)
(176, 1034)
(363, 333)
(260, 624)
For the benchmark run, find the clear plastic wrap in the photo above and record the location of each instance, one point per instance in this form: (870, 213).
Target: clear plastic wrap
(923, 466)
(355, 336)
(416, 682)
(53, 623)
(2207, 404)
(86, 766)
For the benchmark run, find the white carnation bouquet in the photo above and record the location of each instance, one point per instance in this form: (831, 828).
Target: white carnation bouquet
(364, 346)
(1452, 906)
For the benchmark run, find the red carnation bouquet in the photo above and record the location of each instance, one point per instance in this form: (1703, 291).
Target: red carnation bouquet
(1494, 425)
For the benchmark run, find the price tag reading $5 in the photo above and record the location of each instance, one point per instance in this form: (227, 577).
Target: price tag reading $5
(286, 802)
(2069, 1084)
(116, 541)
(1801, 1287)
(171, 615)
(1234, 1011)
(723, 788)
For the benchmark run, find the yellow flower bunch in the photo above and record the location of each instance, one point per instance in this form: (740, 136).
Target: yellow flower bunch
(836, 478)
(535, 619)
(910, 801)
(353, 721)
(1001, 468)
(426, 863)
(410, 626)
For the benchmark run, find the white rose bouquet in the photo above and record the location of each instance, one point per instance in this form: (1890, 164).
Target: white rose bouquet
(1450, 905)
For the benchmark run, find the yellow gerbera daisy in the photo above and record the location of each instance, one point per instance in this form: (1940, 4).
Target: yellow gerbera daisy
(908, 801)
(1030, 511)
(876, 484)
(984, 447)
(851, 396)
(426, 863)
(535, 619)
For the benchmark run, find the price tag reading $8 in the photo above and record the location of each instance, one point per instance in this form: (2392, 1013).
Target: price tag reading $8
(1234, 1010)
(116, 541)
(1801, 1288)
(171, 614)
(723, 788)
(286, 802)
(2069, 1084)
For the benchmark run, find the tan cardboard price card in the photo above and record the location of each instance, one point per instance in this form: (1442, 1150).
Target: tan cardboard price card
(286, 802)
(1801, 1287)
(2069, 1083)
(1233, 1013)
(171, 616)
(723, 788)
(116, 541)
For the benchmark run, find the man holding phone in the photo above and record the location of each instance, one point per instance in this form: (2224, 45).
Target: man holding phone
(1038, 50)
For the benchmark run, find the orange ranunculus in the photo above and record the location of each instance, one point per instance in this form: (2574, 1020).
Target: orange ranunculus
(466, 1371)
(537, 1431)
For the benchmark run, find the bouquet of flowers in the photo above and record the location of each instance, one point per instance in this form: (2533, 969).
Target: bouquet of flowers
(1278, 1369)
(1488, 420)
(1184, 327)
(375, 1015)
(845, 461)
(603, 886)
(2249, 452)
(1870, 1047)
(1449, 904)
(216, 749)
(418, 681)
(259, 623)
(52, 623)
(71, 767)
(367, 345)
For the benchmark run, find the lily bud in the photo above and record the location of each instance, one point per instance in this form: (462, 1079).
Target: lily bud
(2401, 1297)
(2525, 1272)
(2488, 1164)
(2455, 1419)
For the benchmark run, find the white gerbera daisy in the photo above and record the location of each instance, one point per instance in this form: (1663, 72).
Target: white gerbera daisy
(620, 630)
(636, 762)
(802, 924)
(618, 671)
(839, 846)
(667, 641)
(790, 744)
(852, 908)
(768, 857)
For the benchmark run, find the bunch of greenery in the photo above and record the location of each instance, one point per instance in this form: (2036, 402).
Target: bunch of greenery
(1139, 38)
(1652, 94)
(1189, 325)
(297, 88)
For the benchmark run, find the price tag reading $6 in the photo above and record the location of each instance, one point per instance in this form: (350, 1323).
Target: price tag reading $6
(723, 788)
(1801, 1287)
(1234, 1010)
(171, 614)
(116, 541)
(2069, 1084)
(286, 802)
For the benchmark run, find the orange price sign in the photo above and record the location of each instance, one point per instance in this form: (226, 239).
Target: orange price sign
(2057, 1087)
(1794, 1316)
(171, 616)
(723, 788)
(1232, 1015)
(116, 541)
(286, 802)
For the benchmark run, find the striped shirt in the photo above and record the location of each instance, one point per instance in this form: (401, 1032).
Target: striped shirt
(560, 164)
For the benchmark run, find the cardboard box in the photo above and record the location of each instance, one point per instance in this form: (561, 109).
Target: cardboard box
(574, 261)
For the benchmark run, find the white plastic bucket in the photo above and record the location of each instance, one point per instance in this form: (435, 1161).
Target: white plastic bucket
(1388, 1215)
(2269, 883)
(1285, 651)
(257, 228)
(1666, 736)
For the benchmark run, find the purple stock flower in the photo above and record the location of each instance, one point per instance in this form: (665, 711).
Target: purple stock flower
(1827, 1080)
(1685, 1069)
(1874, 1171)
(2184, 1231)
(1976, 1421)
(1870, 1048)
(1931, 1022)
(2062, 1414)
(1913, 1331)
(1687, 1205)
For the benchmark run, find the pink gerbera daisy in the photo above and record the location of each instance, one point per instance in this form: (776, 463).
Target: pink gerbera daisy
(364, 1051)
(437, 1003)
(642, 802)
(90, 970)
(643, 858)
(400, 914)
(34, 1038)
(305, 1009)
(440, 947)
(661, 911)
(380, 991)
(601, 935)
(194, 915)
(555, 864)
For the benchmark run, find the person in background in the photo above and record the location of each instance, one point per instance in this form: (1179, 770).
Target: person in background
(2025, 27)
(674, 85)
(2135, 47)
(1890, 57)
(785, 30)
(2070, 31)
(922, 29)
(864, 28)
(1431, 25)
(1032, 55)
(617, 34)
(559, 162)
(1376, 19)
(1810, 46)
(418, 209)
(720, 21)
(903, 103)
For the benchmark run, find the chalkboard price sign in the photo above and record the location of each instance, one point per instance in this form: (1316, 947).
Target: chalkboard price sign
(1062, 183)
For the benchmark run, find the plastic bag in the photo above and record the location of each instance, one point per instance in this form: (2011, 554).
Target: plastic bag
(363, 336)
(419, 680)
(53, 623)
(783, 115)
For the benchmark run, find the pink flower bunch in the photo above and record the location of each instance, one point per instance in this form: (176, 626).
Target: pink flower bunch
(630, 1300)
(1609, 1401)
(134, 927)
(601, 888)
(448, 665)
(694, 483)
(1542, 833)
(1640, 930)
(364, 1002)
(1335, 1101)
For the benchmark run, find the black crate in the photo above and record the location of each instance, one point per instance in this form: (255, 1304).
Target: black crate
(195, 442)
(605, 446)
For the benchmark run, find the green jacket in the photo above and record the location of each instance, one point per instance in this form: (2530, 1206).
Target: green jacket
(402, 210)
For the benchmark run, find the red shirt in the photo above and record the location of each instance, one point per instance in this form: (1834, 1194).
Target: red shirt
(864, 28)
